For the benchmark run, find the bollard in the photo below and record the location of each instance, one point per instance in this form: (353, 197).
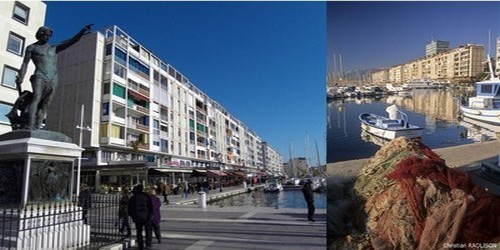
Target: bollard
(202, 199)
(245, 185)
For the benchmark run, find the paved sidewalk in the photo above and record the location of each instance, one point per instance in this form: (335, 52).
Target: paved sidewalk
(212, 228)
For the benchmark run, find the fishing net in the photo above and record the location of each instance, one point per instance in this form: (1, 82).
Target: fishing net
(405, 197)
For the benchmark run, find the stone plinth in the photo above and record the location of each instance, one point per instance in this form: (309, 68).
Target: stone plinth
(36, 180)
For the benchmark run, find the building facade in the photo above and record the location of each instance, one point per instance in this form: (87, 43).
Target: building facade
(436, 47)
(147, 118)
(19, 21)
(462, 64)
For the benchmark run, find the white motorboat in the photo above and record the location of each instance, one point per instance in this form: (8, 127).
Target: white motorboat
(273, 185)
(485, 106)
(396, 125)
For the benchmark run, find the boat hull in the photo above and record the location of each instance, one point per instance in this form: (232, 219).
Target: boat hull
(389, 133)
(485, 115)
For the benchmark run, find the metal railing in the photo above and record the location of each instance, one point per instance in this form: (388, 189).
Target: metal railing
(55, 224)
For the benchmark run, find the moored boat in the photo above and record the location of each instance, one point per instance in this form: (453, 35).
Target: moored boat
(273, 185)
(390, 127)
(485, 106)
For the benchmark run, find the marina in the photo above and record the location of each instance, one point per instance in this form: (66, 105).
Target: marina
(436, 110)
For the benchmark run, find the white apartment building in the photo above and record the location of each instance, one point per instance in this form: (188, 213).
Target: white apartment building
(19, 21)
(273, 161)
(147, 118)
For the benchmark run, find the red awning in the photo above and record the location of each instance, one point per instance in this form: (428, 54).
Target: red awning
(216, 173)
(138, 96)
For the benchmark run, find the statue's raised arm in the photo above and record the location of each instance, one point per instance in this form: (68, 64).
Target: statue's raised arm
(64, 45)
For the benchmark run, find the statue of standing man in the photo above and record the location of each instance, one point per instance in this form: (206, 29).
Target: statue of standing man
(34, 106)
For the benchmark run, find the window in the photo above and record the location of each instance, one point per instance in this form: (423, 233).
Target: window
(118, 91)
(486, 89)
(4, 109)
(21, 13)
(9, 76)
(15, 44)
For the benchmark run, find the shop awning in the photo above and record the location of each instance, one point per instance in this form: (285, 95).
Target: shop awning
(172, 170)
(199, 173)
(239, 174)
(216, 173)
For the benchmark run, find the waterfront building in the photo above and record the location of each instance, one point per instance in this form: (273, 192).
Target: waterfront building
(462, 64)
(381, 76)
(273, 161)
(19, 21)
(297, 167)
(436, 47)
(147, 118)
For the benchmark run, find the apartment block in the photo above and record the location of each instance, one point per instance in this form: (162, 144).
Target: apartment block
(381, 76)
(145, 115)
(436, 47)
(19, 21)
(462, 64)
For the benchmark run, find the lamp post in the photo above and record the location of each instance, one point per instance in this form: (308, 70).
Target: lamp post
(219, 159)
(81, 128)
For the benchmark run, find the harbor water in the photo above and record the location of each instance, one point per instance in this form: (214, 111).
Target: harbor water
(284, 199)
(435, 110)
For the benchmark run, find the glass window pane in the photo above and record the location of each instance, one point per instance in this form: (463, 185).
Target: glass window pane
(4, 109)
(9, 77)
(21, 13)
(15, 44)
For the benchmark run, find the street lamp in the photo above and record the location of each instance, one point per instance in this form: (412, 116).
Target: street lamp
(81, 128)
(219, 159)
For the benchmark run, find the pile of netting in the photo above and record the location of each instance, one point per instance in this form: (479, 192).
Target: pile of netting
(410, 199)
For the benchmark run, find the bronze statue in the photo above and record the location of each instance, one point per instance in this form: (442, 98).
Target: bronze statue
(33, 106)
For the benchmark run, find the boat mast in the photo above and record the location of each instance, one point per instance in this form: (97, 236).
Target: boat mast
(317, 153)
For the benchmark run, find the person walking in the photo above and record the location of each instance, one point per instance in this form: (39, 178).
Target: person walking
(140, 208)
(307, 190)
(85, 201)
(165, 191)
(123, 212)
(185, 189)
(155, 220)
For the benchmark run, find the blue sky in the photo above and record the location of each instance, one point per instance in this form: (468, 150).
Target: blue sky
(263, 61)
(383, 34)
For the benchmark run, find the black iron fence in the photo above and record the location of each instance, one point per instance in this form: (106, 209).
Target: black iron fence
(61, 223)
(102, 216)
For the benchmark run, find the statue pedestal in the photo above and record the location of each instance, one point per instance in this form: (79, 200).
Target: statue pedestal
(36, 179)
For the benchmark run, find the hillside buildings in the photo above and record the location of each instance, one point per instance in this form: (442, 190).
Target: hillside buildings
(19, 22)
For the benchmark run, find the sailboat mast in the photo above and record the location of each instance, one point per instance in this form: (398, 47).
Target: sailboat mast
(317, 153)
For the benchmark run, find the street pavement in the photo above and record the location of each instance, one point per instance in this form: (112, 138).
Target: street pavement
(187, 226)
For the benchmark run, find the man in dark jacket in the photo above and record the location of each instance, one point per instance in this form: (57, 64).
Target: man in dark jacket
(309, 197)
(140, 209)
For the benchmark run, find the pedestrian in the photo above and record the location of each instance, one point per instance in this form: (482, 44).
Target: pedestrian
(123, 212)
(205, 185)
(85, 201)
(140, 209)
(307, 190)
(165, 191)
(155, 220)
(185, 189)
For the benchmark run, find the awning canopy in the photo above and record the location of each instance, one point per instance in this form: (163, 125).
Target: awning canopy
(199, 173)
(239, 174)
(216, 173)
(172, 170)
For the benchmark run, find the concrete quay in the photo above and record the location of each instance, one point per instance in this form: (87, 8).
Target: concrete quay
(464, 157)
(184, 225)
